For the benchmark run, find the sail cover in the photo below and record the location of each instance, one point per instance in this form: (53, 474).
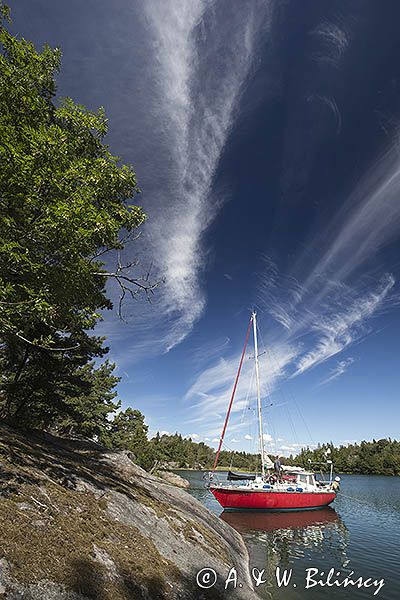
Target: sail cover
(237, 476)
(268, 463)
(248, 476)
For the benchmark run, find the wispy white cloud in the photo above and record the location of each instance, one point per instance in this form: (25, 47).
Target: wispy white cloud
(335, 271)
(338, 370)
(331, 104)
(193, 60)
(322, 305)
(325, 305)
(293, 448)
(196, 114)
(332, 293)
(330, 328)
(368, 220)
(208, 351)
(336, 331)
(212, 388)
(286, 448)
(331, 42)
(208, 397)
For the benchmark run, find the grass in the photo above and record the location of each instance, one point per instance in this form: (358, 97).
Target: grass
(51, 532)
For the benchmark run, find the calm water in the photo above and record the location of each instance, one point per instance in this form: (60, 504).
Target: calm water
(360, 535)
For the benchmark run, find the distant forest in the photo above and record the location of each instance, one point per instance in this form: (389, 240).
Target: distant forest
(379, 457)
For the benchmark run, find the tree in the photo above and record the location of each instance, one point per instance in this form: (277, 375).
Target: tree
(59, 389)
(380, 457)
(63, 207)
(87, 404)
(128, 431)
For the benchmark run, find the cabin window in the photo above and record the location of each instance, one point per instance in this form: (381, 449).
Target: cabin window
(303, 479)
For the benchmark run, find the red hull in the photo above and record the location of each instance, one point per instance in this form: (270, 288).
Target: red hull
(231, 499)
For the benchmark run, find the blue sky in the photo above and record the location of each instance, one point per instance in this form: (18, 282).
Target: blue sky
(265, 137)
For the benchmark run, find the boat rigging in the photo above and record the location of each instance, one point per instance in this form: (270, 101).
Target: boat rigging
(293, 489)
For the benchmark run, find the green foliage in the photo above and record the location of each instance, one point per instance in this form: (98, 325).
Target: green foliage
(58, 390)
(182, 452)
(63, 204)
(380, 457)
(89, 400)
(62, 200)
(128, 431)
(240, 460)
(4, 13)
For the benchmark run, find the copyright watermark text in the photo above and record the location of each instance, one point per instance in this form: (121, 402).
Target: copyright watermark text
(207, 578)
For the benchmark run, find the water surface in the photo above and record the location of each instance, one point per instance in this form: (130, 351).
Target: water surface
(360, 533)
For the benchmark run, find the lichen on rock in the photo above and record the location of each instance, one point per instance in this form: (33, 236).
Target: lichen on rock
(78, 521)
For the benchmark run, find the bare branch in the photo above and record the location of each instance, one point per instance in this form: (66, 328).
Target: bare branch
(121, 299)
(131, 236)
(128, 285)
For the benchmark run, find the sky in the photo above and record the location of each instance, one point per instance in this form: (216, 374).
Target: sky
(266, 140)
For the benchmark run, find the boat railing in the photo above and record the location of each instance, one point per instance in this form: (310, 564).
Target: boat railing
(210, 478)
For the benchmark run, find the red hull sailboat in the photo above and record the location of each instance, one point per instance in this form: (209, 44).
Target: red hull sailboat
(296, 490)
(239, 499)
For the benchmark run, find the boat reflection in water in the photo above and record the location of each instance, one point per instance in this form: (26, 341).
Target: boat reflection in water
(296, 540)
(270, 521)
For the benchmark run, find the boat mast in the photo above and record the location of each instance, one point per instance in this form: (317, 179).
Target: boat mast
(260, 424)
(232, 395)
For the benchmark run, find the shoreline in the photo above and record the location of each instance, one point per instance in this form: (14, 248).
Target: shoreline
(222, 469)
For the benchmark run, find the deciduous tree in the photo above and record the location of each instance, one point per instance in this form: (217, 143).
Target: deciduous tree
(65, 202)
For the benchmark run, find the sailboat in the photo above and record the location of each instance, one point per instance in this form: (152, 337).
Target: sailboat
(297, 489)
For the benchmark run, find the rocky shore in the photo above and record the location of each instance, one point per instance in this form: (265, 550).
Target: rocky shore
(78, 521)
(173, 479)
